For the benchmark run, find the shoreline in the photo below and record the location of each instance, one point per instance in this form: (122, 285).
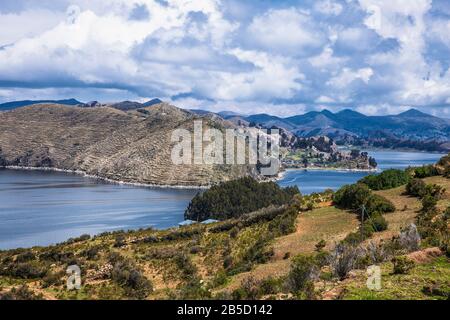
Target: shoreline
(406, 150)
(281, 176)
(332, 169)
(84, 174)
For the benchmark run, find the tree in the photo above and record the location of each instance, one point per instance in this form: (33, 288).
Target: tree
(234, 198)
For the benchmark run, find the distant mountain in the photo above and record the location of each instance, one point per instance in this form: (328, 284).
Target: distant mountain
(18, 104)
(412, 128)
(132, 105)
(124, 105)
(152, 102)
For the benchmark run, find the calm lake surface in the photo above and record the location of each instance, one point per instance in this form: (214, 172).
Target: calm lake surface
(42, 208)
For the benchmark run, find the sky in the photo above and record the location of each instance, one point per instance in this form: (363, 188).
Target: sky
(266, 56)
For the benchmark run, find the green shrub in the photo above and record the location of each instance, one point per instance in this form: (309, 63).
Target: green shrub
(25, 257)
(24, 270)
(416, 188)
(321, 245)
(428, 203)
(402, 265)
(234, 198)
(378, 204)
(130, 278)
(377, 222)
(435, 191)
(351, 196)
(22, 293)
(120, 241)
(250, 289)
(388, 179)
(271, 286)
(354, 196)
(425, 171)
(304, 270)
(184, 263)
(53, 279)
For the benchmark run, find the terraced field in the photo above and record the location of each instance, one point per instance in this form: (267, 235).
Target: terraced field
(123, 146)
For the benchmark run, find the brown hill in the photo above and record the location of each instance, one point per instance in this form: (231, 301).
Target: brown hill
(123, 146)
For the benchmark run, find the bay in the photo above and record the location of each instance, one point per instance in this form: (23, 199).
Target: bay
(43, 207)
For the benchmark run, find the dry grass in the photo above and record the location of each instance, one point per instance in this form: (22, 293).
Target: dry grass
(406, 211)
(329, 224)
(332, 225)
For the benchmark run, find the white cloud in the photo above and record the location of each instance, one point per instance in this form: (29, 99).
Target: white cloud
(326, 60)
(286, 30)
(273, 76)
(383, 108)
(312, 53)
(324, 99)
(30, 23)
(347, 76)
(328, 7)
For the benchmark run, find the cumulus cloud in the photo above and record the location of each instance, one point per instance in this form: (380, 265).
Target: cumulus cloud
(290, 31)
(281, 57)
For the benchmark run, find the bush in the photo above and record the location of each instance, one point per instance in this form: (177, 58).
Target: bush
(351, 196)
(304, 270)
(22, 293)
(402, 265)
(428, 203)
(234, 198)
(194, 289)
(25, 270)
(120, 241)
(425, 171)
(378, 204)
(354, 196)
(344, 258)
(409, 238)
(184, 263)
(386, 180)
(377, 222)
(416, 188)
(271, 286)
(25, 257)
(435, 191)
(52, 279)
(321, 245)
(250, 289)
(91, 253)
(130, 278)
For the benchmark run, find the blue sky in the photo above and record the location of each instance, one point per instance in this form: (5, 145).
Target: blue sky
(278, 57)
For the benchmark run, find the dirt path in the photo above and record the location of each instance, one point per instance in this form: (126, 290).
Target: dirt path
(329, 224)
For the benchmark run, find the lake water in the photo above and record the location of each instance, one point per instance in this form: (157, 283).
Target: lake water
(42, 208)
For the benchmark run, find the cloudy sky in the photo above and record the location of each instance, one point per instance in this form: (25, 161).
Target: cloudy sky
(279, 57)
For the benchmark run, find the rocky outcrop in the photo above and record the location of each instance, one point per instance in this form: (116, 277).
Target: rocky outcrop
(132, 146)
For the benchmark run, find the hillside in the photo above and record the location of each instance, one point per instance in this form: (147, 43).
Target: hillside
(123, 146)
(256, 256)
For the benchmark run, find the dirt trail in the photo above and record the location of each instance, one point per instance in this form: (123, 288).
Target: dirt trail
(328, 223)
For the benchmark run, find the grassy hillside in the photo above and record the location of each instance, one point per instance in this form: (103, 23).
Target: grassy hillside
(257, 255)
